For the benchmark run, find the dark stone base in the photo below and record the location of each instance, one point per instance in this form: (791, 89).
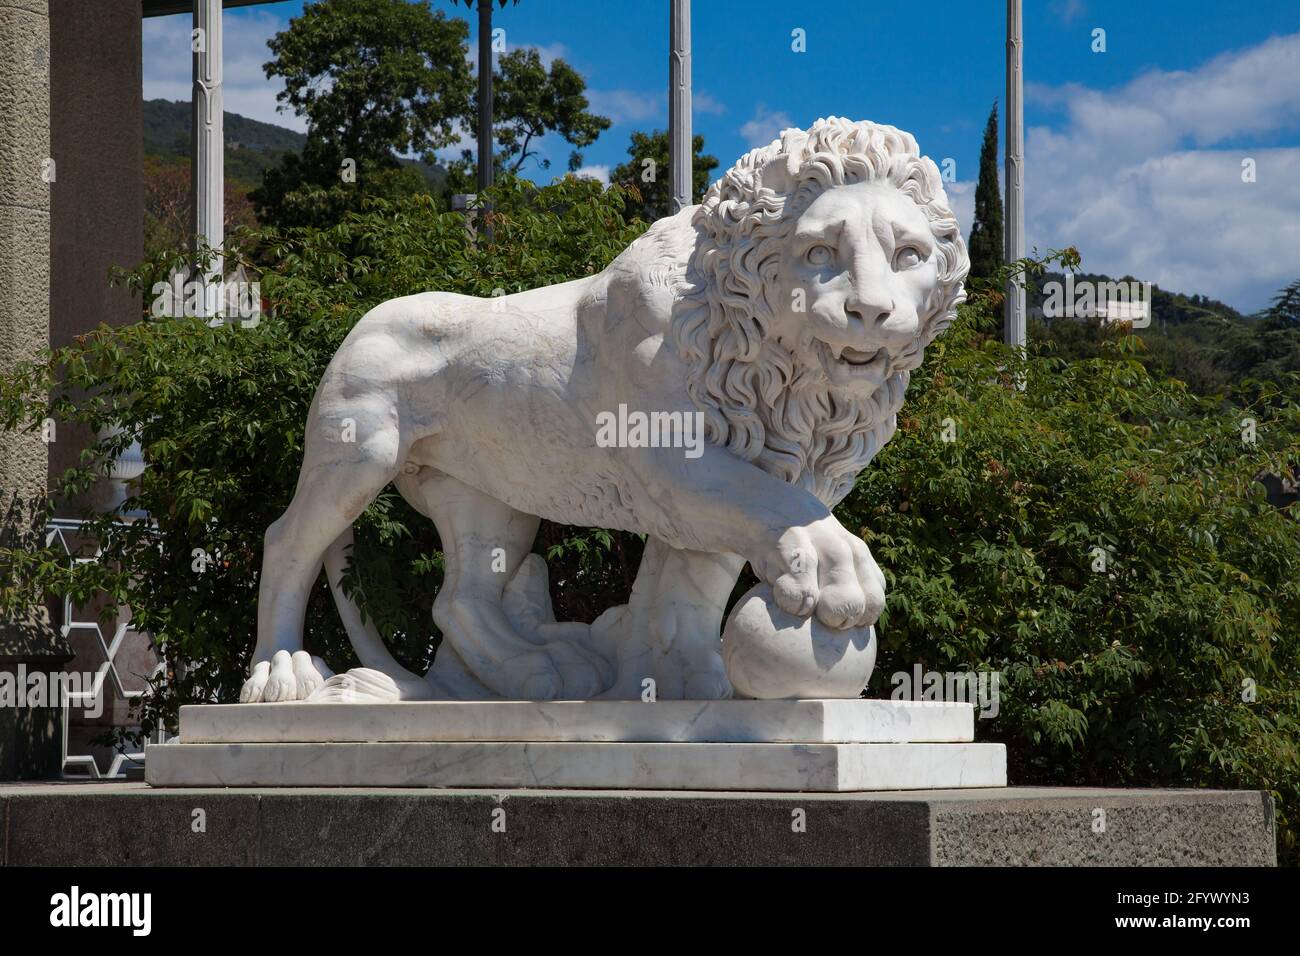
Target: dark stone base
(31, 743)
(115, 824)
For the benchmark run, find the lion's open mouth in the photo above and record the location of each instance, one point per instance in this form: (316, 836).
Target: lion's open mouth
(857, 357)
(847, 367)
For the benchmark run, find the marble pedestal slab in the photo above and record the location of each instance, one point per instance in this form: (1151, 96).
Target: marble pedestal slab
(823, 768)
(596, 721)
(770, 745)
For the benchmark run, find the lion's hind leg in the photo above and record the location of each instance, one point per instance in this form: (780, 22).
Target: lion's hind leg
(485, 542)
(353, 449)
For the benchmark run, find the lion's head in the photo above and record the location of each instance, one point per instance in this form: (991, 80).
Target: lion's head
(826, 262)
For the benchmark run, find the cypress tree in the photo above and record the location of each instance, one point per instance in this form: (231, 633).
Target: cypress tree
(986, 231)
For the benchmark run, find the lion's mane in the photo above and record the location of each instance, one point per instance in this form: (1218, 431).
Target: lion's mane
(759, 398)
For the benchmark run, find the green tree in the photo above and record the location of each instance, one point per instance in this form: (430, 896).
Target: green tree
(1285, 310)
(530, 101)
(985, 244)
(375, 80)
(375, 77)
(219, 413)
(647, 173)
(1099, 539)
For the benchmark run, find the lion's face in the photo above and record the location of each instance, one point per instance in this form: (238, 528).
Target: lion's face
(858, 268)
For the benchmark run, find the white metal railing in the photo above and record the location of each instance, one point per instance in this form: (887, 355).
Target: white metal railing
(58, 530)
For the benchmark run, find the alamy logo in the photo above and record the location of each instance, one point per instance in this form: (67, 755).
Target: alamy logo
(20, 688)
(232, 298)
(636, 429)
(74, 909)
(1109, 301)
(962, 687)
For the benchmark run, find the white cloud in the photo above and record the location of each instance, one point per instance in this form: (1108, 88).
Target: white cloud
(247, 91)
(765, 126)
(634, 106)
(1067, 11)
(628, 106)
(702, 102)
(961, 199)
(547, 52)
(1130, 177)
(600, 173)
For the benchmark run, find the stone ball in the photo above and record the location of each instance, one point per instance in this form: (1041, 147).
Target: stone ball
(772, 655)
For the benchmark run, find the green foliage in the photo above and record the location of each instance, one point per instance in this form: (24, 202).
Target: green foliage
(1284, 313)
(654, 191)
(375, 80)
(1131, 675)
(1208, 345)
(985, 244)
(374, 77)
(529, 101)
(308, 190)
(220, 411)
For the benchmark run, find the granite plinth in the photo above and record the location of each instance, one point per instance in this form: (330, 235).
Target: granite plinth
(117, 824)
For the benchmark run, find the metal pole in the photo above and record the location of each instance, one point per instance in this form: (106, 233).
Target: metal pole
(679, 106)
(484, 94)
(1014, 317)
(207, 169)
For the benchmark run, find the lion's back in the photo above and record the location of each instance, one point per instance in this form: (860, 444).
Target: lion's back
(649, 276)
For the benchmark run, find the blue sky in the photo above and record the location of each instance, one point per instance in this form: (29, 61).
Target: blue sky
(1133, 155)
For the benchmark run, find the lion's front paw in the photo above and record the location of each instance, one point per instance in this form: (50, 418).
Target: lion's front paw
(285, 677)
(824, 569)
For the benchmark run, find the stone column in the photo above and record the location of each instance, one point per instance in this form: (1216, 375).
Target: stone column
(207, 166)
(680, 153)
(1014, 235)
(29, 736)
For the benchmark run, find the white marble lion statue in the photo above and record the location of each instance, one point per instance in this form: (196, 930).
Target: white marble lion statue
(783, 314)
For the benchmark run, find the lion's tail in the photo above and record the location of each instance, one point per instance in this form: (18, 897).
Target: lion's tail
(362, 633)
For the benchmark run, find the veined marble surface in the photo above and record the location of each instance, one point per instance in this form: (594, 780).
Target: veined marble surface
(636, 766)
(716, 388)
(721, 721)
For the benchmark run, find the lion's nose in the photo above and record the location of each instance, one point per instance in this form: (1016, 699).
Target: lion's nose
(881, 324)
(876, 316)
(870, 316)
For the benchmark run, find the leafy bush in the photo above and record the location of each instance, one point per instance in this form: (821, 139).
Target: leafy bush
(220, 413)
(1169, 657)
(1136, 674)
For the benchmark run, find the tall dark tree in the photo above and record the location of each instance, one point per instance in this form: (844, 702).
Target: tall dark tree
(1284, 313)
(985, 245)
(647, 172)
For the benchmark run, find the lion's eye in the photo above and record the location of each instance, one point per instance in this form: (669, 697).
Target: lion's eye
(819, 255)
(908, 258)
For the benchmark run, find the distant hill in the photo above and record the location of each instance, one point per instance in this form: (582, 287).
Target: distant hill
(252, 147)
(1201, 341)
(1167, 308)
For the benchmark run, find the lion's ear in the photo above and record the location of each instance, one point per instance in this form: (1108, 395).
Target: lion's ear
(776, 176)
(779, 173)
